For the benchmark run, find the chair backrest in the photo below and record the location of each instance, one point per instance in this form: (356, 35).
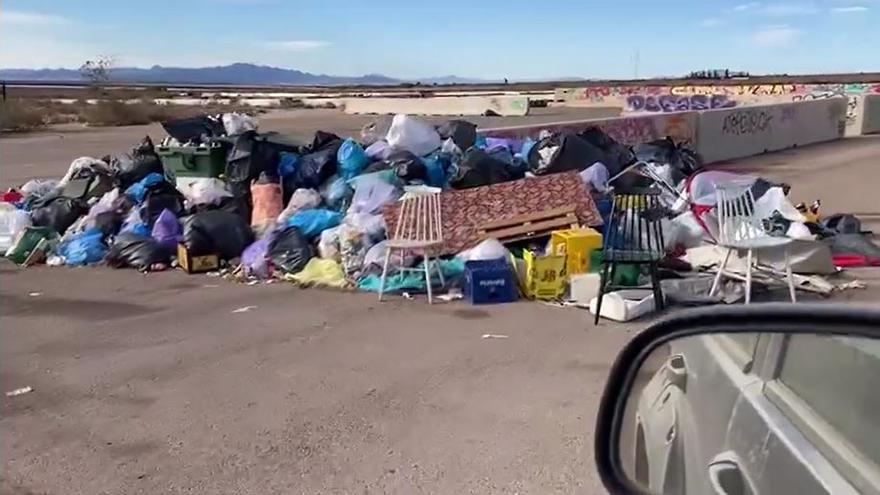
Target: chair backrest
(420, 219)
(634, 232)
(735, 209)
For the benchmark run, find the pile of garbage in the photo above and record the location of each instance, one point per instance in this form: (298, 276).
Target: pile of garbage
(219, 195)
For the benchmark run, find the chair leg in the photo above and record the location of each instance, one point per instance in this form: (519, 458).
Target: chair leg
(717, 283)
(659, 304)
(427, 263)
(749, 277)
(790, 277)
(384, 272)
(603, 281)
(439, 268)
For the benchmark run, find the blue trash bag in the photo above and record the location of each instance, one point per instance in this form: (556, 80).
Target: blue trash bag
(527, 146)
(352, 159)
(480, 142)
(166, 230)
(138, 190)
(84, 248)
(287, 163)
(337, 193)
(436, 167)
(312, 222)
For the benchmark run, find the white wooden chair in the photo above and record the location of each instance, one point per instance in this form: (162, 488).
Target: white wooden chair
(740, 229)
(419, 230)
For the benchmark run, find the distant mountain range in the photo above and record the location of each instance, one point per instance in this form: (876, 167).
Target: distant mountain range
(235, 74)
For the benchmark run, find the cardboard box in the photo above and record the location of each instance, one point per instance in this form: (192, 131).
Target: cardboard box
(196, 263)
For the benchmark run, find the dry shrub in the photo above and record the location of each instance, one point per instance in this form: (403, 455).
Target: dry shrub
(20, 116)
(115, 112)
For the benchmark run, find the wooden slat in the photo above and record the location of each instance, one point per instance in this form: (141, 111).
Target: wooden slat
(530, 217)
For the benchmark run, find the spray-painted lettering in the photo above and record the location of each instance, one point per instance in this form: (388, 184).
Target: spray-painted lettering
(747, 122)
(675, 103)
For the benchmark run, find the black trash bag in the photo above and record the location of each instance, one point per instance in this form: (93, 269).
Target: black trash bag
(136, 251)
(681, 159)
(572, 153)
(462, 132)
(161, 196)
(199, 129)
(108, 222)
(216, 231)
(408, 167)
(324, 139)
(478, 168)
(617, 156)
(289, 251)
(842, 223)
(852, 244)
(762, 185)
(59, 213)
(315, 168)
(133, 166)
(376, 166)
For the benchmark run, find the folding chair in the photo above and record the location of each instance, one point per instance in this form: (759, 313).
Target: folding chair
(419, 230)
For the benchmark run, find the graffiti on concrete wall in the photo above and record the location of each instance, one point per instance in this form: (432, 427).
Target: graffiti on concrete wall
(747, 121)
(630, 130)
(676, 103)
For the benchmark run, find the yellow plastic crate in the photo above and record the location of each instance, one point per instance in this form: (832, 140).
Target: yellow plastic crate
(577, 245)
(545, 276)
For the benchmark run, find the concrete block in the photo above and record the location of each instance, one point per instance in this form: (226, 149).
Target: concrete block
(870, 113)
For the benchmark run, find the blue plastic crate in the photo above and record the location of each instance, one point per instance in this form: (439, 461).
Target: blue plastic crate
(489, 282)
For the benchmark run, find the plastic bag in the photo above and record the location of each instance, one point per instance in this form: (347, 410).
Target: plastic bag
(289, 251)
(161, 196)
(312, 222)
(137, 251)
(216, 231)
(205, 191)
(370, 195)
(59, 213)
(490, 249)
(138, 190)
(336, 193)
(411, 134)
(353, 247)
(27, 241)
(268, 204)
(595, 176)
(408, 167)
(314, 169)
(84, 163)
(379, 150)
(478, 168)
(38, 188)
(196, 129)
(166, 230)
(370, 133)
(137, 164)
(328, 245)
(83, 249)
(238, 123)
(461, 132)
(322, 273)
(255, 258)
(302, 199)
(287, 164)
(352, 159)
(12, 222)
(372, 225)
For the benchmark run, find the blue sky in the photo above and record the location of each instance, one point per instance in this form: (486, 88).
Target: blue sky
(474, 38)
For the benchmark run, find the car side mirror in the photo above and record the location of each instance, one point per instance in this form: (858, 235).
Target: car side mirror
(744, 400)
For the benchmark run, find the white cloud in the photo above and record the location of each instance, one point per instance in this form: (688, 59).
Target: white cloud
(20, 18)
(788, 10)
(710, 22)
(745, 7)
(775, 36)
(848, 10)
(296, 45)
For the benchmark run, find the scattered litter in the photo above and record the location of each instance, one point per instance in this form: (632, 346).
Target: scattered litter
(243, 309)
(19, 391)
(495, 336)
(407, 295)
(452, 295)
(35, 294)
(210, 286)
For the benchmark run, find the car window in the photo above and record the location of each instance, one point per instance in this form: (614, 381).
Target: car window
(741, 347)
(836, 377)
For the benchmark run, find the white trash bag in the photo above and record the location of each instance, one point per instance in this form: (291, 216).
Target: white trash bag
(412, 134)
(301, 199)
(238, 123)
(12, 222)
(205, 191)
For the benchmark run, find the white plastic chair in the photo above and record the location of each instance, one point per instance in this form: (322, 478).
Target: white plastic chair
(419, 230)
(740, 229)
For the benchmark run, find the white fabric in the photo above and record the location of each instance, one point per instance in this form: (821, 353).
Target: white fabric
(238, 123)
(490, 249)
(81, 163)
(412, 134)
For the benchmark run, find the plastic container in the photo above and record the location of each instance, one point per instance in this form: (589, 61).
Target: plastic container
(577, 245)
(545, 276)
(192, 161)
(489, 282)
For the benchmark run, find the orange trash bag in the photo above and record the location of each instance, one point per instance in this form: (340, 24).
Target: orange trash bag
(268, 204)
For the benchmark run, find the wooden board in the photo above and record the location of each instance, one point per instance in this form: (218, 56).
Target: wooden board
(530, 225)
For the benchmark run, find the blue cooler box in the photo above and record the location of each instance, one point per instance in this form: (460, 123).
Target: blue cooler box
(489, 282)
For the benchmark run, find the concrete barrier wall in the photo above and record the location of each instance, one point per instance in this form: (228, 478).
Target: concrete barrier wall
(717, 134)
(740, 132)
(871, 114)
(442, 105)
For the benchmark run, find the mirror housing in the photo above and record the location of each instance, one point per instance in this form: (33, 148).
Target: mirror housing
(814, 319)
